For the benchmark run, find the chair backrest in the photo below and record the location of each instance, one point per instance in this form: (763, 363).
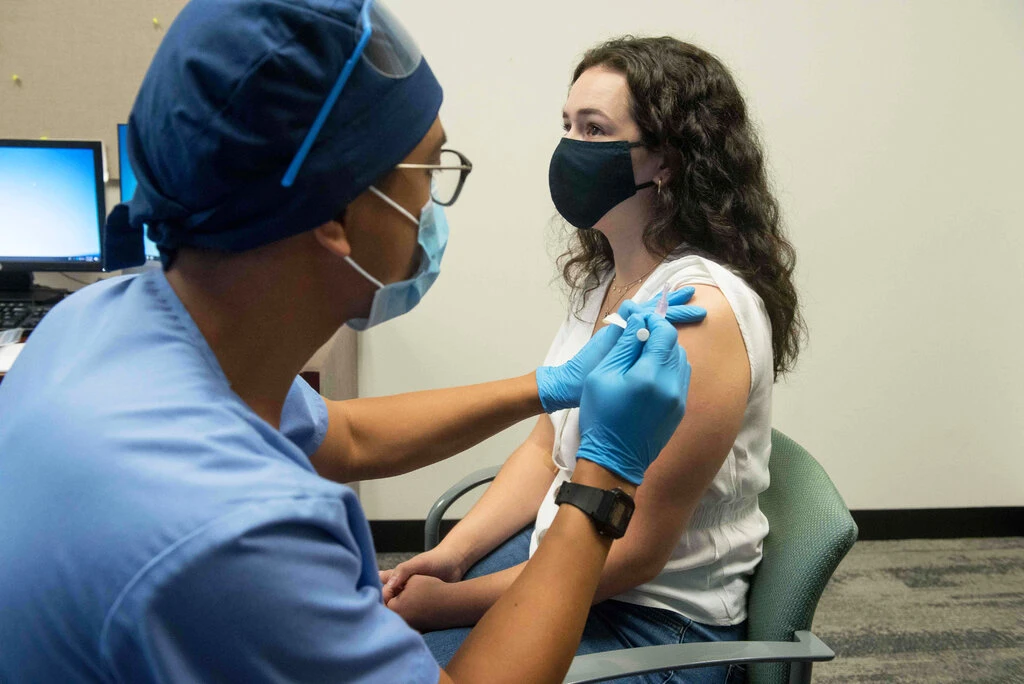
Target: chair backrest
(810, 530)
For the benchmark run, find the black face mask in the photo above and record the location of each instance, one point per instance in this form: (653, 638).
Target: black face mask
(588, 179)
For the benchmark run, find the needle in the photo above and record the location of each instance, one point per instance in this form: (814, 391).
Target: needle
(662, 307)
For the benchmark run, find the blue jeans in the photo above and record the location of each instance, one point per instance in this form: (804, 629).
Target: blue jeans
(611, 625)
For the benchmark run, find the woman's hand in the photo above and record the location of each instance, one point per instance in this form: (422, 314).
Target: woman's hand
(427, 603)
(437, 563)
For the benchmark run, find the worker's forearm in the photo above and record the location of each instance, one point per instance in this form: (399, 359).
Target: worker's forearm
(532, 632)
(477, 595)
(508, 505)
(397, 434)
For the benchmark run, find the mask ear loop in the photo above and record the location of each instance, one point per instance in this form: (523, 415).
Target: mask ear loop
(395, 205)
(363, 272)
(650, 183)
(398, 207)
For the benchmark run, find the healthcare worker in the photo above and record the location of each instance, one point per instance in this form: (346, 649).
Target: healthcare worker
(170, 506)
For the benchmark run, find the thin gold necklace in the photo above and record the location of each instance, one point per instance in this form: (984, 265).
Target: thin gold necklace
(613, 288)
(623, 289)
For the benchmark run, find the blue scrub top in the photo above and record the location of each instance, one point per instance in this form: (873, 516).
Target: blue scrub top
(153, 528)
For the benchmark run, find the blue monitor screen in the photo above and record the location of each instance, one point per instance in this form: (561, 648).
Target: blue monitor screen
(51, 204)
(129, 182)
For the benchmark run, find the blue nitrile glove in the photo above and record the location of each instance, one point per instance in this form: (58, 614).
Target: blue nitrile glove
(560, 387)
(633, 401)
(677, 313)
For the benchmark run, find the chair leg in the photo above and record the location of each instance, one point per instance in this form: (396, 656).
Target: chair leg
(800, 672)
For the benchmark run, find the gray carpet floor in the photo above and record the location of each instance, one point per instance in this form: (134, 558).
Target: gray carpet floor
(949, 610)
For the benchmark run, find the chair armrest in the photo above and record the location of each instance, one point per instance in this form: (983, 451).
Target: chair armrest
(599, 667)
(432, 529)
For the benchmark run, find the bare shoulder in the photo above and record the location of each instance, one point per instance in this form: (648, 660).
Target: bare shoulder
(715, 347)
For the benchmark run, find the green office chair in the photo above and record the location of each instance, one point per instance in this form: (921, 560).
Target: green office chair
(811, 531)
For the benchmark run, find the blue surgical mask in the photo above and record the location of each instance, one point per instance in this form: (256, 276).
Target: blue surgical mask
(394, 299)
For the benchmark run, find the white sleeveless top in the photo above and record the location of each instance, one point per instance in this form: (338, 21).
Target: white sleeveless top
(706, 577)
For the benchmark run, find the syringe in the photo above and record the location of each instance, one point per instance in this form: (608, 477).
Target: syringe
(661, 308)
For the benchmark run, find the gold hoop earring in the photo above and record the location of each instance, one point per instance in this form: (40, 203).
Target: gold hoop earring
(657, 181)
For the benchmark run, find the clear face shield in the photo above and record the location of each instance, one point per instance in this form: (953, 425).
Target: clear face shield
(382, 44)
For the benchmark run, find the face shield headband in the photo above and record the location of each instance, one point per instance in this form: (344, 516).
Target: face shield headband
(350, 122)
(384, 45)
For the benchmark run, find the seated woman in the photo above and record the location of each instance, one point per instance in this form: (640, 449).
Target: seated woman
(661, 173)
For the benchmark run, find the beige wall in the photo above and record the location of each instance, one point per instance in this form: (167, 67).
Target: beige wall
(894, 133)
(80, 63)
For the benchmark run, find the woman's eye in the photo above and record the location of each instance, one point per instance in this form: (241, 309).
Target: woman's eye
(566, 126)
(594, 130)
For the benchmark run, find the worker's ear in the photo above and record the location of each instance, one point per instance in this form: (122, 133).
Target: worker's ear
(332, 237)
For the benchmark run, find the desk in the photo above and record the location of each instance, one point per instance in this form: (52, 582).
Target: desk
(8, 353)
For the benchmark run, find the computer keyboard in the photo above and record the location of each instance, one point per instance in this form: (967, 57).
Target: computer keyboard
(22, 314)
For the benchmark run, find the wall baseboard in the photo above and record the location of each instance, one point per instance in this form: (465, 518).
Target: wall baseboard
(940, 523)
(404, 536)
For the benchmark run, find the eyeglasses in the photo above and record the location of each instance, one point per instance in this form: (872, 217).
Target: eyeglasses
(448, 176)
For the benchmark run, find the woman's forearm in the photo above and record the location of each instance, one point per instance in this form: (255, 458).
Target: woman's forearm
(626, 567)
(622, 573)
(509, 504)
(385, 436)
(476, 596)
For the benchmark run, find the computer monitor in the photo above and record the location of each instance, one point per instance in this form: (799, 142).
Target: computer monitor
(52, 208)
(129, 182)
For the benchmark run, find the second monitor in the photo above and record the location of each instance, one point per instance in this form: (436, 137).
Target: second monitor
(129, 182)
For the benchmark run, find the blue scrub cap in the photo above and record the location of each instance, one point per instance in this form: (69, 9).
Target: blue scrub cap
(228, 101)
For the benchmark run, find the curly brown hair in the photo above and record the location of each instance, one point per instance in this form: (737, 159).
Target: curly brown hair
(717, 201)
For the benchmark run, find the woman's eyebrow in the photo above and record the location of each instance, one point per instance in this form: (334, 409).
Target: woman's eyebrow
(587, 111)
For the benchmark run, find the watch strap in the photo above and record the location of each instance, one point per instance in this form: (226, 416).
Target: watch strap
(610, 510)
(587, 499)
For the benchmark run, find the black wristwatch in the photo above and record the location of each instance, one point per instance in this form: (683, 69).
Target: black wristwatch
(610, 509)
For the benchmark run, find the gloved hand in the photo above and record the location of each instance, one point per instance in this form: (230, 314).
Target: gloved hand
(633, 401)
(560, 387)
(677, 313)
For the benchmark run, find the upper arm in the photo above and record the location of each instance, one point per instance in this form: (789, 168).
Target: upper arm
(331, 458)
(719, 380)
(284, 602)
(715, 407)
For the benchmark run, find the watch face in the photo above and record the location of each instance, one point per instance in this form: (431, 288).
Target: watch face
(617, 518)
(610, 510)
